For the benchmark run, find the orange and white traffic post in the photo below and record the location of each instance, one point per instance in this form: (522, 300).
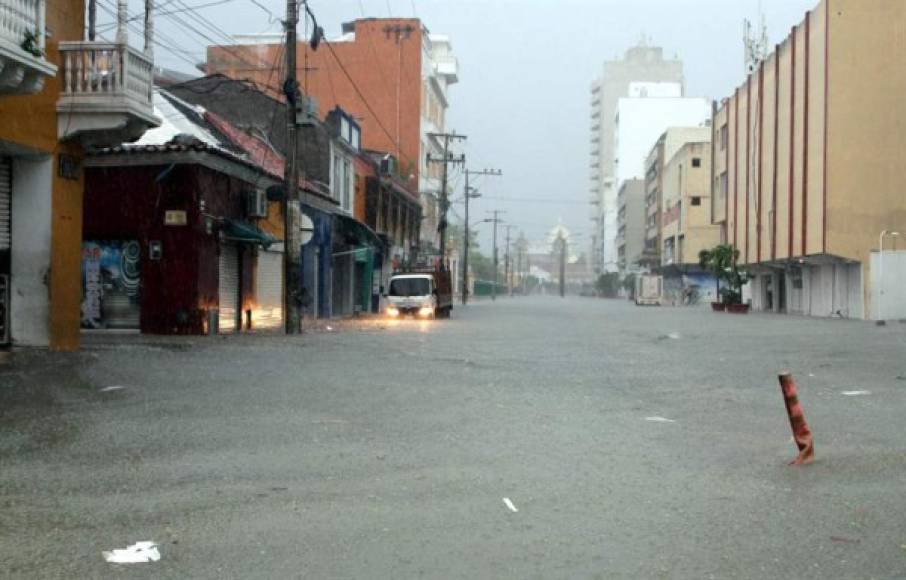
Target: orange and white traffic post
(801, 433)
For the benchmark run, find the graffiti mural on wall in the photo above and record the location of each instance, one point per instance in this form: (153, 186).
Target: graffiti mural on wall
(111, 284)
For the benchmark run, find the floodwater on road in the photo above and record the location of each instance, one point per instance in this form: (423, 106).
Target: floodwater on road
(526, 438)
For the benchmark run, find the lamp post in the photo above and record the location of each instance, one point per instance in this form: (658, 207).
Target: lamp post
(884, 233)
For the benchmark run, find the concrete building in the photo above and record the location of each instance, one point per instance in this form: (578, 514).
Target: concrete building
(686, 227)
(809, 167)
(630, 225)
(398, 84)
(59, 93)
(639, 120)
(641, 64)
(666, 146)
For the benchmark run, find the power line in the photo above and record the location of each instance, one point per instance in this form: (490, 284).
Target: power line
(361, 96)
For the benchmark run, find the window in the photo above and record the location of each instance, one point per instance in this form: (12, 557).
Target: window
(348, 175)
(696, 162)
(724, 135)
(336, 188)
(696, 200)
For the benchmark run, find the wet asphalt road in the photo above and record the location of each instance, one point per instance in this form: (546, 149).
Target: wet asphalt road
(384, 450)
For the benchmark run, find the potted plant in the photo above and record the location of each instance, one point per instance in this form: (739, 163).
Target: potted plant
(721, 261)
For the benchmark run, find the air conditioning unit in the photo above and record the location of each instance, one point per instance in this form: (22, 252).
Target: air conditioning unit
(256, 204)
(388, 165)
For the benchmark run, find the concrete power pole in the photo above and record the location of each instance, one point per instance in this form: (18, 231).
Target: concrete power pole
(562, 266)
(496, 220)
(506, 262)
(447, 159)
(470, 194)
(291, 249)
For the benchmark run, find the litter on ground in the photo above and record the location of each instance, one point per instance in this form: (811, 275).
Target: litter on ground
(137, 553)
(659, 420)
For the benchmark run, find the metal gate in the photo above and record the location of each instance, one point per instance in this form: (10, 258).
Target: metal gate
(229, 288)
(269, 290)
(6, 199)
(6, 195)
(4, 309)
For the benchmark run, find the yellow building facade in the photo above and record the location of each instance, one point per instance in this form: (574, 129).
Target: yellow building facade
(686, 214)
(58, 94)
(806, 160)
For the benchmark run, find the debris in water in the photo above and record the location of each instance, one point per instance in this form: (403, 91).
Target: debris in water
(112, 388)
(855, 393)
(842, 540)
(669, 336)
(329, 328)
(137, 553)
(659, 420)
(510, 505)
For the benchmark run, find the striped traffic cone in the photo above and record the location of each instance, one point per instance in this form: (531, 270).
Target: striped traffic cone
(801, 433)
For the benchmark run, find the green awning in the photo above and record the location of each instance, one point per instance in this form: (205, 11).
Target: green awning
(246, 233)
(363, 235)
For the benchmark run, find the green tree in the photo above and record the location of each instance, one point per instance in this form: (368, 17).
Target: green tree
(721, 261)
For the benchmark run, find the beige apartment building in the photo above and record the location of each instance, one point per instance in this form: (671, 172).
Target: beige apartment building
(808, 163)
(671, 141)
(686, 226)
(630, 225)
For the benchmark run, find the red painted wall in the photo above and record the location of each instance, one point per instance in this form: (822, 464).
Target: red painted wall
(129, 203)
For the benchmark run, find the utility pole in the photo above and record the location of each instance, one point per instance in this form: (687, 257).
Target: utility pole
(291, 249)
(470, 194)
(496, 221)
(562, 265)
(506, 262)
(447, 159)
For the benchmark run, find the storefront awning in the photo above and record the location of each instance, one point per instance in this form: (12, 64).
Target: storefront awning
(246, 233)
(362, 234)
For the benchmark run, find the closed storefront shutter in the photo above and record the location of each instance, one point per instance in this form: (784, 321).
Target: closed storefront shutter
(6, 194)
(269, 291)
(229, 287)
(6, 187)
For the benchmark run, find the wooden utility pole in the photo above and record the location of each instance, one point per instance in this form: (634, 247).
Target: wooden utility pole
(470, 194)
(291, 248)
(446, 159)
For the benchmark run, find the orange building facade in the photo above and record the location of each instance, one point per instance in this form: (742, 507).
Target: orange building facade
(390, 74)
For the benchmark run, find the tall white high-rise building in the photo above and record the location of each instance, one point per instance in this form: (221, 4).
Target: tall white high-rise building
(645, 68)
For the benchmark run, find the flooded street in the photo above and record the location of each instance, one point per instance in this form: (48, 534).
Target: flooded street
(529, 438)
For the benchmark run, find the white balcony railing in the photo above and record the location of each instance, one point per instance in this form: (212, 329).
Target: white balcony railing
(106, 69)
(23, 67)
(19, 18)
(106, 92)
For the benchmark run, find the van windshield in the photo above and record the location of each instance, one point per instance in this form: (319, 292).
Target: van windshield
(409, 287)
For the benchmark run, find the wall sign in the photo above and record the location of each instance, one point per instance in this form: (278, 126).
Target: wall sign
(175, 218)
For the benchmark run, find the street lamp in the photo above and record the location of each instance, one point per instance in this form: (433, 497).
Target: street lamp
(884, 233)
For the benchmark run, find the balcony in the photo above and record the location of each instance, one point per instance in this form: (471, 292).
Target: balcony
(105, 97)
(23, 66)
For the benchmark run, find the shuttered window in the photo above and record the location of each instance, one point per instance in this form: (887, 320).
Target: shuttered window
(229, 288)
(6, 200)
(268, 313)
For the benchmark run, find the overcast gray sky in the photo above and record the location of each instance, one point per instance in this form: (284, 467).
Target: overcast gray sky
(526, 66)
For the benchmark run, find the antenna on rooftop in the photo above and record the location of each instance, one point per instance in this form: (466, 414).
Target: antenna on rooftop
(755, 43)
